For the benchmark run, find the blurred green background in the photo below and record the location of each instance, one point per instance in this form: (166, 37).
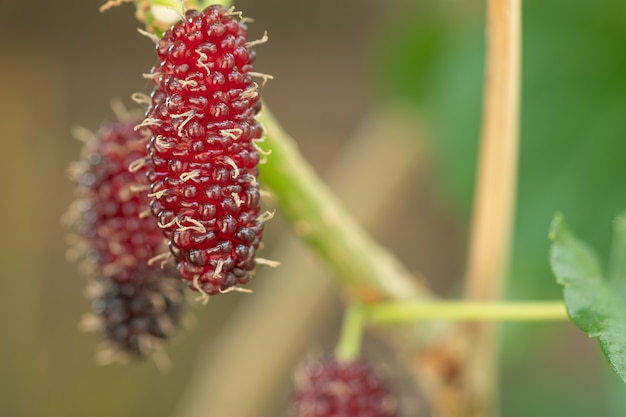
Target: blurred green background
(336, 66)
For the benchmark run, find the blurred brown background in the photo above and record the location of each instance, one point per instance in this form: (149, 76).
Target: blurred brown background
(61, 63)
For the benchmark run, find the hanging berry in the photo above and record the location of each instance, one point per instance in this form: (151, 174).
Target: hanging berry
(202, 154)
(334, 388)
(136, 304)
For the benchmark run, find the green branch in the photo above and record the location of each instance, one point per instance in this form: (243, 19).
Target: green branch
(411, 311)
(349, 345)
(366, 270)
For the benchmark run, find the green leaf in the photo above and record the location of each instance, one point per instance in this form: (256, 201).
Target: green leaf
(617, 264)
(591, 301)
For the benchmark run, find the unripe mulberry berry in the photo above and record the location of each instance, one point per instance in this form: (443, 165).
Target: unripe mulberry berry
(332, 388)
(203, 159)
(136, 303)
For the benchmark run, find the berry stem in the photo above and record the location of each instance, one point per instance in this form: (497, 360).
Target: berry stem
(145, 10)
(349, 346)
(366, 270)
(494, 202)
(400, 312)
(195, 4)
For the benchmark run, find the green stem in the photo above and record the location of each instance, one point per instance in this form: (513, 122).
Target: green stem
(410, 311)
(366, 270)
(203, 4)
(349, 346)
(196, 4)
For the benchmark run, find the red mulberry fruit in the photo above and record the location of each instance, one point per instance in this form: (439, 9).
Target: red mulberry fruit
(331, 388)
(116, 235)
(137, 304)
(203, 159)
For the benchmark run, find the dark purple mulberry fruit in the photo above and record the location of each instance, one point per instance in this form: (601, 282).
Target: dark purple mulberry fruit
(203, 169)
(137, 316)
(332, 388)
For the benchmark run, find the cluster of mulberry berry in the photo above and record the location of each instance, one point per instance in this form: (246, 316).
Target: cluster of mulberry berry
(333, 388)
(202, 153)
(183, 183)
(136, 305)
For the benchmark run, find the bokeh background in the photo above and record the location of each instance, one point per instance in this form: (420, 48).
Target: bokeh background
(343, 70)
